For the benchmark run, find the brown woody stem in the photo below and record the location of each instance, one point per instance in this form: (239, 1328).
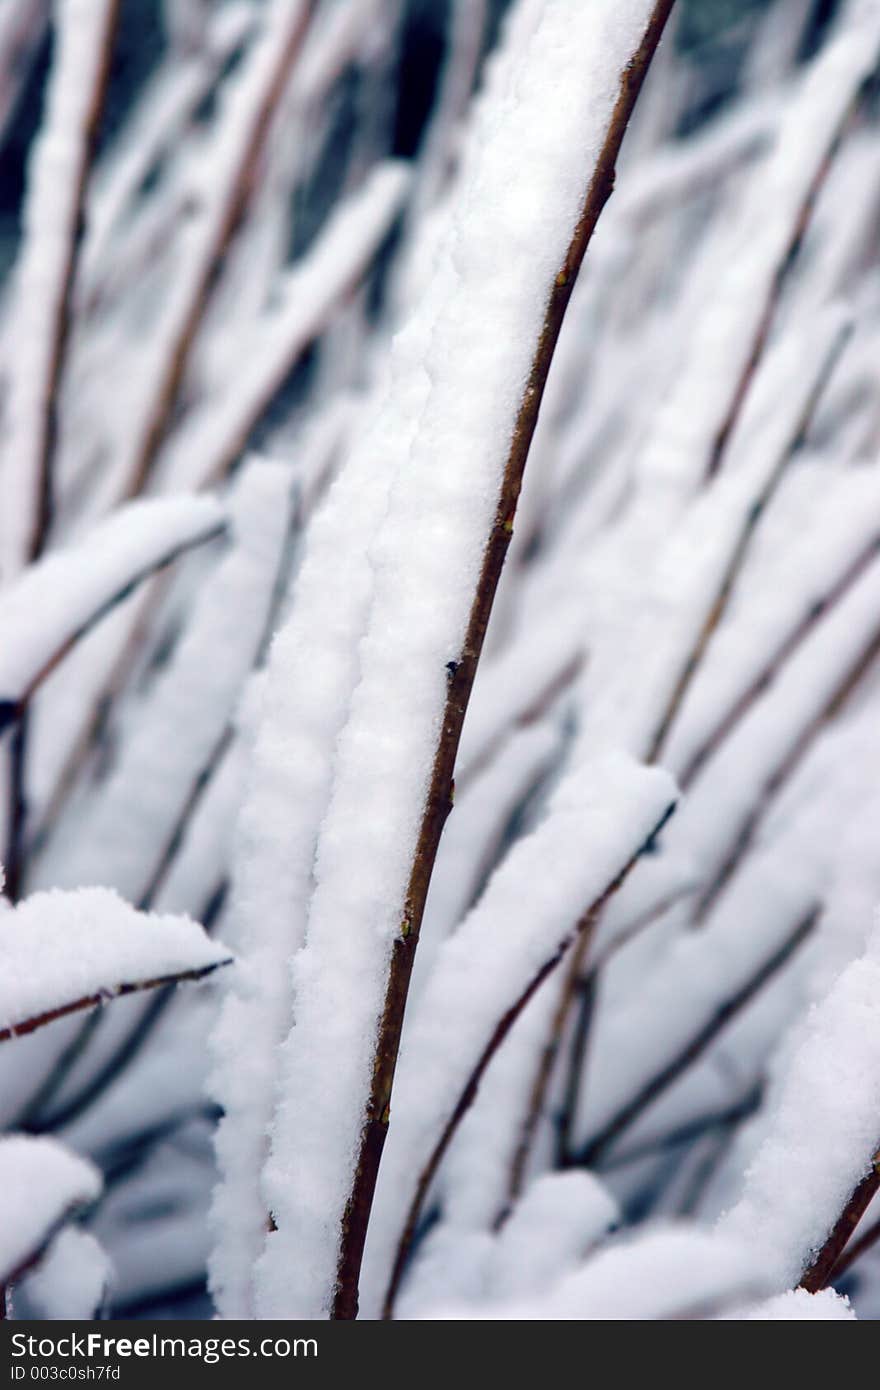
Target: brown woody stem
(437, 805)
(819, 1272)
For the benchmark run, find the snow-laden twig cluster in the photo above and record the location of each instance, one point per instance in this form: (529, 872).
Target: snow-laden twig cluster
(280, 398)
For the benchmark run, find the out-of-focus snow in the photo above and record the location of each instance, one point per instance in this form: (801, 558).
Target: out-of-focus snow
(41, 1183)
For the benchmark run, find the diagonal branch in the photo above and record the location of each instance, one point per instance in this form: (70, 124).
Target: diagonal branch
(824, 1264)
(90, 1001)
(13, 706)
(677, 1065)
(583, 929)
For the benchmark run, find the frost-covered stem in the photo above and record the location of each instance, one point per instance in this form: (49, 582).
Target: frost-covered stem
(710, 745)
(226, 739)
(327, 276)
(584, 928)
(573, 986)
(578, 989)
(12, 710)
(799, 227)
(741, 551)
(593, 1151)
(34, 1119)
(781, 774)
(49, 273)
(236, 197)
(143, 1028)
(159, 117)
(30, 1025)
(439, 798)
(98, 714)
(823, 1267)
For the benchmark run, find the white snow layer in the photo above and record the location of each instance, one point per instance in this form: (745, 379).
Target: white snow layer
(59, 947)
(41, 1183)
(71, 1280)
(440, 440)
(674, 1272)
(825, 1132)
(61, 594)
(796, 1305)
(170, 737)
(600, 817)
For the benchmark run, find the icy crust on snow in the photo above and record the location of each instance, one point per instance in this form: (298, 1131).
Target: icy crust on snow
(825, 1129)
(446, 382)
(601, 816)
(550, 117)
(49, 229)
(60, 947)
(169, 738)
(60, 594)
(41, 1183)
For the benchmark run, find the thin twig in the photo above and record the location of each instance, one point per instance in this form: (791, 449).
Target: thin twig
(90, 1001)
(765, 677)
(783, 772)
(743, 547)
(438, 801)
(856, 1249)
(689, 1131)
(468, 1094)
(600, 1143)
(11, 710)
(579, 989)
(822, 1267)
(235, 201)
(34, 1118)
(799, 228)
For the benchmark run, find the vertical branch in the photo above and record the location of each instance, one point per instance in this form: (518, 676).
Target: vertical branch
(270, 70)
(439, 797)
(53, 227)
(42, 321)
